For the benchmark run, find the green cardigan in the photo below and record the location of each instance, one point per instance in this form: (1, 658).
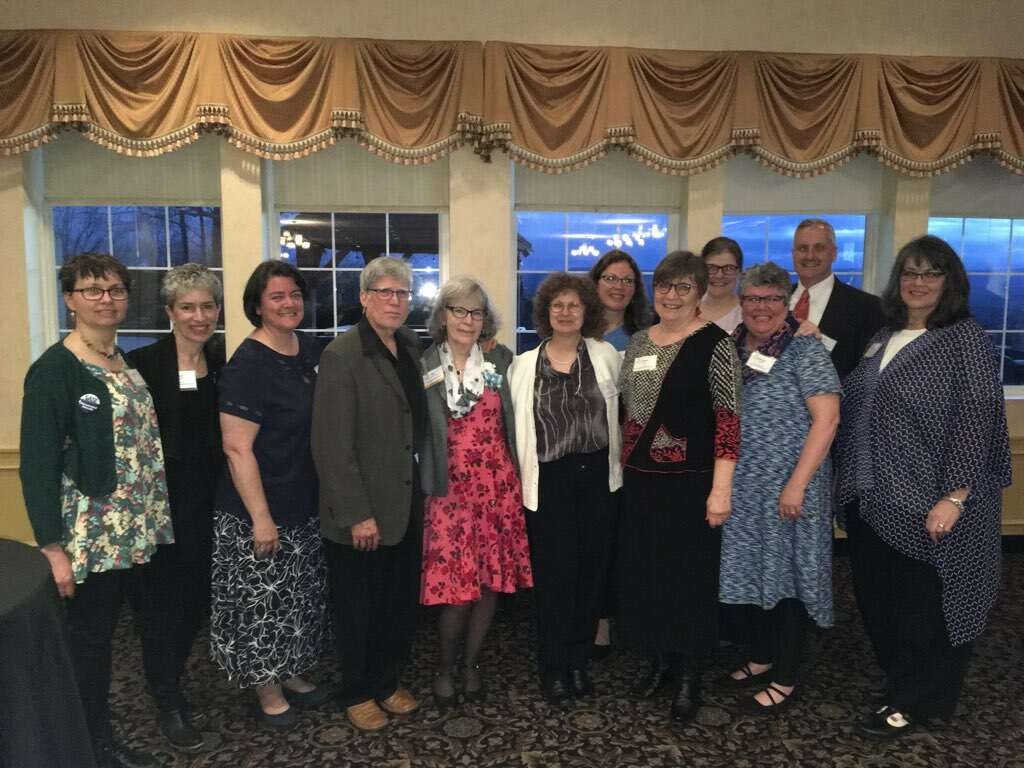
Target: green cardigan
(67, 428)
(434, 461)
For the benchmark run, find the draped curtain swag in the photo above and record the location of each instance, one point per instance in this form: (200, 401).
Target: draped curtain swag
(554, 108)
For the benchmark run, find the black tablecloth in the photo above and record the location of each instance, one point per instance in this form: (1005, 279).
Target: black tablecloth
(41, 721)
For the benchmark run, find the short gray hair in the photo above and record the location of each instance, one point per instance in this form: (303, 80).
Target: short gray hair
(190, 277)
(767, 274)
(455, 290)
(829, 229)
(381, 267)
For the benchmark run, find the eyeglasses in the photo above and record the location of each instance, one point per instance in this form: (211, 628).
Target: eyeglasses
(723, 269)
(681, 289)
(772, 301)
(928, 277)
(461, 312)
(95, 293)
(570, 309)
(625, 282)
(391, 293)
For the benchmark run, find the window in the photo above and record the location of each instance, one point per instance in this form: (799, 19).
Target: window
(554, 241)
(993, 254)
(332, 248)
(770, 238)
(148, 240)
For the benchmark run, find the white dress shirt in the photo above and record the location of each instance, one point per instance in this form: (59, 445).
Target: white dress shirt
(820, 294)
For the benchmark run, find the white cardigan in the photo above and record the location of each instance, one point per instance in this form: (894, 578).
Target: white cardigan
(522, 374)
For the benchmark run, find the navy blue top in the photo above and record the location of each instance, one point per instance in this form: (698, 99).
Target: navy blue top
(276, 392)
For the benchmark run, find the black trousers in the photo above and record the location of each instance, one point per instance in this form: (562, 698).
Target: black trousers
(91, 616)
(373, 605)
(570, 542)
(900, 600)
(171, 597)
(778, 637)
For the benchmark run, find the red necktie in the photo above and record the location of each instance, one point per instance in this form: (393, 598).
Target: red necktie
(803, 306)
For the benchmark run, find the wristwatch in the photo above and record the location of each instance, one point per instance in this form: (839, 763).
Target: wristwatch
(955, 502)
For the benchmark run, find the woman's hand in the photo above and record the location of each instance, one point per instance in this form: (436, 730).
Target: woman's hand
(60, 567)
(365, 536)
(265, 542)
(807, 328)
(791, 501)
(941, 519)
(719, 506)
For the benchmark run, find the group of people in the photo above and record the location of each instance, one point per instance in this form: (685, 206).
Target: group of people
(653, 472)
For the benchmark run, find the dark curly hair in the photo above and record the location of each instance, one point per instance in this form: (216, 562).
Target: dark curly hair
(636, 315)
(257, 284)
(939, 255)
(559, 282)
(98, 265)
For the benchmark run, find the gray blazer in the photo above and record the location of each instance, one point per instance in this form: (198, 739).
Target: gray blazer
(362, 438)
(434, 460)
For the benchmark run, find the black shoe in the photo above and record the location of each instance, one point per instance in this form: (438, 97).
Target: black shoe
(285, 719)
(582, 685)
(473, 695)
(115, 755)
(307, 699)
(656, 679)
(600, 652)
(557, 688)
(441, 699)
(778, 697)
(179, 732)
(886, 724)
(685, 701)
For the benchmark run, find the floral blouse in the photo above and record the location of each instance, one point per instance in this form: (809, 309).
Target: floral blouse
(105, 533)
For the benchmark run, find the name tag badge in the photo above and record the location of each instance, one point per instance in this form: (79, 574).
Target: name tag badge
(829, 342)
(89, 402)
(872, 349)
(430, 378)
(760, 363)
(136, 378)
(187, 381)
(645, 363)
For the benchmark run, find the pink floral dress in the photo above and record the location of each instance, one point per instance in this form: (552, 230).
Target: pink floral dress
(476, 535)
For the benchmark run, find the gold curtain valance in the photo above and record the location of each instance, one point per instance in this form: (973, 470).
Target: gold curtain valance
(554, 108)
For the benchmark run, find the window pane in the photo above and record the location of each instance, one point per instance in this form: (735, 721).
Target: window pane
(79, 229)
(1013, 359)
(424, 289)
(414, 237)
(305, 239)
(359, 238)
(195, 235)
(145, 310)
(986, 245)
(751, 233)
(988, 296)
(139, 235)
(780, 239)
(771, 238)
(525, 341)
(856, 280)
(319, 309)
(541, 242)
(130, 341)
(642, 236)
(949, 229)
(527, 289)
(850, 233)
(1015, 305)
(1017, 246)
(346, 286)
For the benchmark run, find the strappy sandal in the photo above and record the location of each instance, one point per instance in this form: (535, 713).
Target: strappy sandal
(779, 698)
(749, 677)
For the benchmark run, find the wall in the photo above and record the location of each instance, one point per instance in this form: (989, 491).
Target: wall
(480, 198)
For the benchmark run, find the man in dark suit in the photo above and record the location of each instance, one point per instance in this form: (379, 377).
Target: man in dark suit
(847, 317)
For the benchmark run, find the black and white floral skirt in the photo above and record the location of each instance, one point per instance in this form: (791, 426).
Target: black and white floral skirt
(268, 617)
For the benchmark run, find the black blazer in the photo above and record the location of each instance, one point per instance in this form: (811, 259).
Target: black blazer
(158, 364)
(851, 317)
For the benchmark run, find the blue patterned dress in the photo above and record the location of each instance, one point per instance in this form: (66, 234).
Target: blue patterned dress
(766, 559)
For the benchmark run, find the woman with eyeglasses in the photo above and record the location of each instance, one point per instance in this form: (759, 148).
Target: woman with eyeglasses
(474, 533)
(777, 545)
(621, 290)
(566, 405)
(724, 259)
(370, 433)
(268, 614)
(923, 458)
(679, 385)
(92, 476)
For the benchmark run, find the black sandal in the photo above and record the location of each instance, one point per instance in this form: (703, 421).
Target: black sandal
(779, 698)
(749, 677)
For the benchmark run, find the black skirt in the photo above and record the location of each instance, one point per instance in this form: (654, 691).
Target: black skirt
(667, 564)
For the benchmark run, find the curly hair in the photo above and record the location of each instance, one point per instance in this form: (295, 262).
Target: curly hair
(953, 303)
(190, 277)
(558, 283)
(636, 316)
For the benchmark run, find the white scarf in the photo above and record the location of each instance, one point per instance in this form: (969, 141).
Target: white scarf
(462, 395)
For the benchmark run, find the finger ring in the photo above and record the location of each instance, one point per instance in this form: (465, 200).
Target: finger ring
(942, 525)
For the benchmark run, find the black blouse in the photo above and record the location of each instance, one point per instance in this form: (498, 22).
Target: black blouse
(569, 411)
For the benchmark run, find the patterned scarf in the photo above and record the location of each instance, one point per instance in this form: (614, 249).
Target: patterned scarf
(462, 395)
(774, 347)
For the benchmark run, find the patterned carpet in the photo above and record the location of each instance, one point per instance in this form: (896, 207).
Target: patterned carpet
(515, 727)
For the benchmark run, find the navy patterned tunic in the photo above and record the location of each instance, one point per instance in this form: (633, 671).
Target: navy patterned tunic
(933, 421)
(764, 558)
